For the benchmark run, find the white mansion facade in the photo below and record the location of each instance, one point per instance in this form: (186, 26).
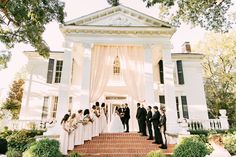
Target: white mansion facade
(116, 55)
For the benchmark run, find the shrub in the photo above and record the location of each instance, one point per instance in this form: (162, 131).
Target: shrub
(74, 154)
(13, 153)
(229, 141)
(191, 147)
(43, 148)
(157, 153)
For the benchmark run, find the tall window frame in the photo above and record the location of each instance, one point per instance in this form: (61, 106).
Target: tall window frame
(58, 71)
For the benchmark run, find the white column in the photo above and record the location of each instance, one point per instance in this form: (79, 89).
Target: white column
(169, 90)
(148, 76)
(85, 81)
(64, 89)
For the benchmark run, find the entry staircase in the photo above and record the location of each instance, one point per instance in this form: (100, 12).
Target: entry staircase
(120, 145)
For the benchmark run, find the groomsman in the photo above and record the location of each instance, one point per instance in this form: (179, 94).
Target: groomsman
(121, 111)
(149, 123)
(142, 118)
(137, 116)
(156, 121)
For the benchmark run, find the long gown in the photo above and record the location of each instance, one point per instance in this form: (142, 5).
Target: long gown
(116, 125)
(71, 141)
(64, 138)
(95, 121)
(79, 133)
(87, 129)
(103, 120)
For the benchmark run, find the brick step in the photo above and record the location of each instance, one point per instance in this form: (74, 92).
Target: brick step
(117, 150)
(121, 137)
(118, 155)
(120, 145)
(120, 141)
(119, 134)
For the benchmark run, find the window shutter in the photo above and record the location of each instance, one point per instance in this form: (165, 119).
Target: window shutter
(162, 99)
(50, 70)
(184, 106)
(45, 108)
(161, 71)
(177, 106)
(180, 72)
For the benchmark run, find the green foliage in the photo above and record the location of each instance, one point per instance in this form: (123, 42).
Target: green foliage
(43, 148)
(210, 14)
(207, 132)
(191, 147)
(113, 2)
(219, 75)
(229, 141)
(157, 153)
(13, 102)
(4, 59)
(25, 20)
(13, 153)
(74, 154)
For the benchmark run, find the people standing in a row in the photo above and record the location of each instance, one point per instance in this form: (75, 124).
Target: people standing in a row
(77, 128)
(146, 120)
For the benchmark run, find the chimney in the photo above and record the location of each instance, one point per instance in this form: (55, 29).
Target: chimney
(186, 48)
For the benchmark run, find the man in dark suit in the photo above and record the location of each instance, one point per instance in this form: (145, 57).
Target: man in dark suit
(142, 118)
(127, 117)
(156, 121)
(149, 123)
(137, 116)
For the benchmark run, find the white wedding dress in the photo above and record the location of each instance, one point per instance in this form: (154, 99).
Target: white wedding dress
(116, 125)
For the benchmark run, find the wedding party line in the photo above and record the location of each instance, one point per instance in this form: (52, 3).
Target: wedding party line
(76, 128)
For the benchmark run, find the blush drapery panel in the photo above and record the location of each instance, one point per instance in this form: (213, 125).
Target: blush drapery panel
(132, 67)
(101, 69)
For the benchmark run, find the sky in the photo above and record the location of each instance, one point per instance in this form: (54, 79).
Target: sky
(78, 8)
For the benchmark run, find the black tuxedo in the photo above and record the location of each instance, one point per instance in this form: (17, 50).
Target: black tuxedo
(127, 117)
(137, 117)
(156, 121)
(142, 118)
(122, 115)
(149, 124)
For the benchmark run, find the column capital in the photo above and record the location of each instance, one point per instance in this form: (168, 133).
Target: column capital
(87, 45)
(68, 45)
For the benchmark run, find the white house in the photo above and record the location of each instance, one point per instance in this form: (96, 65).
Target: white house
(116, 55)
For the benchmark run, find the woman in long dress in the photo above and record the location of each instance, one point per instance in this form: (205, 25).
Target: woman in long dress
(103, 120)
(64, 133)
(87, 123)
(116, 125)
(72, 125)
(79, 133)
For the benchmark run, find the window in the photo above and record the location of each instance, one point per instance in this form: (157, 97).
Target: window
(58, 71)
(70, 103)
(50, 70)
(177, 106)
(45, 108)
(54, 107)
(116, 66)
(162, 99)
(180, 72)
(161, 71)
(184, 106)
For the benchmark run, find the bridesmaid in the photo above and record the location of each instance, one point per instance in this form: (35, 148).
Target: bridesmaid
(64, 134)
(96, 126)
(103, 117)
(79, 134)
(72, 125)
(87, 122)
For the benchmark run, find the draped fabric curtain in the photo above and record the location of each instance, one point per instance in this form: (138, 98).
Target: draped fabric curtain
(132, 67)
(101, 69)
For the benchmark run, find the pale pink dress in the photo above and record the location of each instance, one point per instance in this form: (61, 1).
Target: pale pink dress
(64, 138)
(79, 131)
(71, 142)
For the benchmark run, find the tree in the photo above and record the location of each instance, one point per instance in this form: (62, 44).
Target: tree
(210, 14)
(25, 20)
(113, 2)
(13, 102)
(220, 73)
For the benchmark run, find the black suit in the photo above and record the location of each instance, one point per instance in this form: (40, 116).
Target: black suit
(122, 115)
(163, 130)
(137, 116)
(127, 117)
(142, 118)
(156, 121)
(149, 124)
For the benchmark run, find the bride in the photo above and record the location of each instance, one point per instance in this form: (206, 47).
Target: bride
(116, 125)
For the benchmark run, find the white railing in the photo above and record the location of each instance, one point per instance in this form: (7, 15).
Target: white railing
(25, 124)
(208, 124)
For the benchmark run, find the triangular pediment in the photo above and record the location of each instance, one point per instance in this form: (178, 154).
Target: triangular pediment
(118, 16)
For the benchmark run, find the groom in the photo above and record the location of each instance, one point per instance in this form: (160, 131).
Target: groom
(127, 117)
